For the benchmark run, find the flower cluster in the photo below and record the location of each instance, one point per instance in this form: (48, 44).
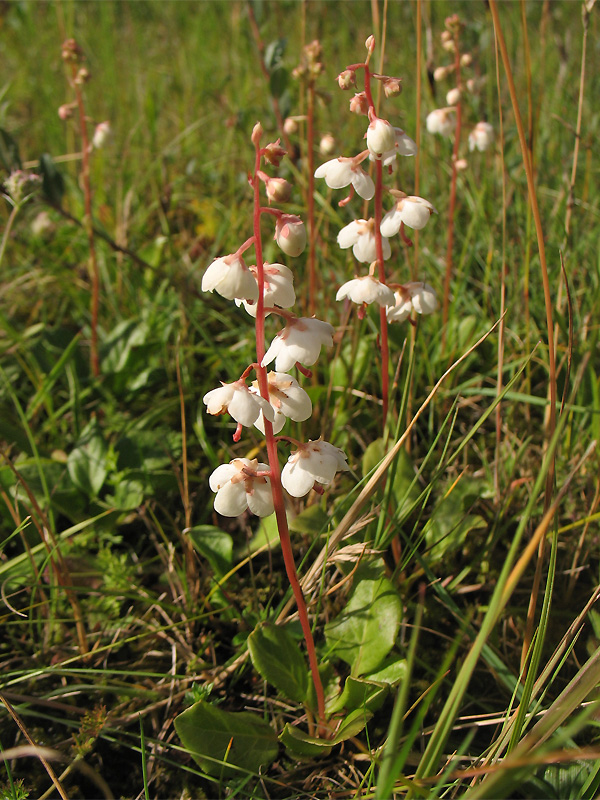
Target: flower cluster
(368, 238)
(268, 289)
(446, 121)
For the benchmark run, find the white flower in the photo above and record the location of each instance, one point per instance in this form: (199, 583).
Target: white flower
(300, 340)
(481, 137)
(279, 288)
(287, 398)
(102, 135)
(412, 211)
(453, 96)
(415, 295)
(238, 488)
(315, 461)
(402, 309)
(360, 236)
(442, 121)
(290, 234)
(366, 290)
(380, 137)
(341, 172)
(238, 401)
(403, 146)
(231, 278)
(423, 296)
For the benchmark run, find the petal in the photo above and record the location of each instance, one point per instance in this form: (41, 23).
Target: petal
(363, 184)
(390, 224)
(260, 499)
(231, 500)
(222, 475)
(348, 236)
(295, 480)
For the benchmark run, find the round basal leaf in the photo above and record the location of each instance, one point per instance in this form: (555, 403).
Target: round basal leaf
(365, 631)
(276, 655)
(300, 745)
(214, 545)
(87, 463)
(224, 743)
(360, 694)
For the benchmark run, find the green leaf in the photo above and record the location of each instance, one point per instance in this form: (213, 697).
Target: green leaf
(278, 81)
(86, 464)
(223, 742)
(365, 631)
(312, 521)
(447, 529)
(300, 745)
(360, 694)
(404, 490)
(53, 185)
(276, 655)
(129, 494)
(214, 545)
(392, 672)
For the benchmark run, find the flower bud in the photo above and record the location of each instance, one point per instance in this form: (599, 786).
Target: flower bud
(449, 46)
(441, 73)
(370, 44)
(453, 97)
(278, 190)
(83, 76)
(346, 79)
(102, 135)
(381, 137)
(273, 153)
(65, 111)
(461, 164)
(70, 50)
(392, 87)
(257, 132)
(290, 234)
(290, 126)
(327, 145)
(466, 60)
(359, 104)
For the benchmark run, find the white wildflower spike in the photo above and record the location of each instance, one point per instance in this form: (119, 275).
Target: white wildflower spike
(239, 402)
(341, 172)
(231, 278)
(366, 290)
(442, 121)
(381, 137)
(481, 137)
(360, 236)
(403, 146)
(288, 399)
(290, 234)
(238, 487)
(412, 211)
(279, 288)
(300, 340)
(312, 462)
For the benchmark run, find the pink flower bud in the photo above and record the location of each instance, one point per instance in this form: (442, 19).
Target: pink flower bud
(65, 111)
(290, 126)
(327, 145)
(359, 104)
(290, 234)
(278, 190)
(370, 43)
(392, 87)
(346, 79)
(273, 153)
(257, 132)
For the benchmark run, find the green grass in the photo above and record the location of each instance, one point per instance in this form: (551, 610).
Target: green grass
(94, 509)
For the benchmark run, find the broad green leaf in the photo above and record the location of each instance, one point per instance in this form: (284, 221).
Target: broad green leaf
(276, 655)
(224, 743)
(87, 463)
(447, 529)
(128, 494)
(300, 745)
(311, 521)
(214, 545)
(352, 725)
(267, 533)
(392, 672)
(360, 694)
(365, 631)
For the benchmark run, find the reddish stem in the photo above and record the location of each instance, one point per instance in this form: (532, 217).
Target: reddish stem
(276, 487)
(312, 231)
(87, 222)
(385, 355)
(452, 209)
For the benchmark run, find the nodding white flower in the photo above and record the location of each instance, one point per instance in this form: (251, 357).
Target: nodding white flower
(287, 398)
(341, 172)
(412, 211)
(290, 234)
(402, 308)
(416, 295)
(102, 135)
(279, 288)
(366, 290)
(239, 402)
(360, 236)
(381, 137)
(403, 146)
(300, 340)
(423, 296)
(231, 278)
(481, 137)
(442, 121)
(327, 145)
(238, 488)
(312, 462)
